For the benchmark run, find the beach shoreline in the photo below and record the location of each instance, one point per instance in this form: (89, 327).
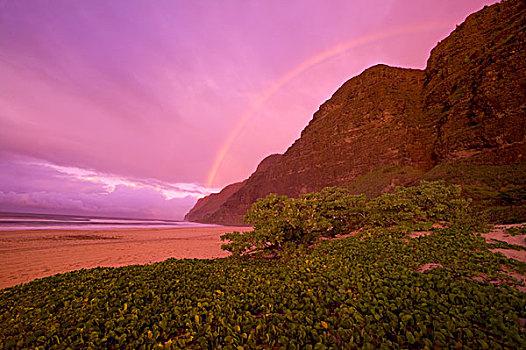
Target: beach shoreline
(30, 254)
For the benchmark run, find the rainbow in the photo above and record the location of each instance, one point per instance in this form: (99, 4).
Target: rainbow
(312, 61)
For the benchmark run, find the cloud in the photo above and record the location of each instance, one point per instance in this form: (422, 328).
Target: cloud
(31, 185)
(110, 182)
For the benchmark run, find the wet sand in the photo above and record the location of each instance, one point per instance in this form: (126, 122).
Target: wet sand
(29, 254)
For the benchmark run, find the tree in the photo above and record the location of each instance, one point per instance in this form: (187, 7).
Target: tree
(282, 223)
(332, 211)
(427, 203)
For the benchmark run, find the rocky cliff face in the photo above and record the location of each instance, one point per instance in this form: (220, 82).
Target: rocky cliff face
(206, 208)
(475, 84)
(469, 103)
(210, 204)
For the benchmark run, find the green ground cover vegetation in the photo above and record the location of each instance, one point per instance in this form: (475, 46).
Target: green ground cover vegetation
(368, 290)
(498, 191)
(516, 231)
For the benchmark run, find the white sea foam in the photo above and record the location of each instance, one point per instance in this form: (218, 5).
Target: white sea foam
(26, 221)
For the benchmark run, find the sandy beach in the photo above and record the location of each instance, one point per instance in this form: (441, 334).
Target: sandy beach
(31, 254)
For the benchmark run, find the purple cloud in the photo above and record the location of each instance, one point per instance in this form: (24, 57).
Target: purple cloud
(27, 185)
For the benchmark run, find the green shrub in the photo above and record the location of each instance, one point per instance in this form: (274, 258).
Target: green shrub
(427, 203)
(275, 221)
(282, 223)
(332, 211)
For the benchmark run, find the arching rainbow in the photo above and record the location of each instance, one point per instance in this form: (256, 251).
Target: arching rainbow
(314, 60)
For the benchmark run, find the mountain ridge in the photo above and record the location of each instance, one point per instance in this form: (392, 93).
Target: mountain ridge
(398, 124)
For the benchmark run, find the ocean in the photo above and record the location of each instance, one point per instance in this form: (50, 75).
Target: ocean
(28, 221)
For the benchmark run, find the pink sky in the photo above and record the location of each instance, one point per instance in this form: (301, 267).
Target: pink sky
(138, 108)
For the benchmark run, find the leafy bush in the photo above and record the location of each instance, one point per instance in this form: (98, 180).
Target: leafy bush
(427, 203)
(497, 190)
(282, 223)
(333, 209)
(275, 220)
